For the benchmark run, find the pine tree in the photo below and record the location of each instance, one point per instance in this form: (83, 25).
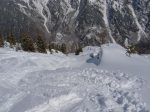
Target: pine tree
(63, 48)
(41, 46)
(1, 41)
(51, 46)
(77, 52)
(27, 43)
(11, 39)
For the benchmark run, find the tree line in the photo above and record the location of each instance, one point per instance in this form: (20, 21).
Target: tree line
(39, 44)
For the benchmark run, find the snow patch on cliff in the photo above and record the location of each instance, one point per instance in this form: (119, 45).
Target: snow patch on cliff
(105, 18)
(141, 32)
(40, 7)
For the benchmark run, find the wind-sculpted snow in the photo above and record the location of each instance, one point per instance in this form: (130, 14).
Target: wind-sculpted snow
(33, 82)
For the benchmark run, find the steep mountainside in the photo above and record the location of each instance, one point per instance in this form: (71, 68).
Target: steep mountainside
(86, 21)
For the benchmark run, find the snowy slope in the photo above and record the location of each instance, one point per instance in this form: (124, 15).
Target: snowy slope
(136, 65)
(33, 82)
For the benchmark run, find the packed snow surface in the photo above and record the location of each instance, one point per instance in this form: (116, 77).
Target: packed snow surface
(33, 82)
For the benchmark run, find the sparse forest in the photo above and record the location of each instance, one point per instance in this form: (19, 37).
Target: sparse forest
(37, 44)
(1, 41)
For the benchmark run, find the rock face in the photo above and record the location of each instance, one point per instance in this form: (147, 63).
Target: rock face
(90, 22)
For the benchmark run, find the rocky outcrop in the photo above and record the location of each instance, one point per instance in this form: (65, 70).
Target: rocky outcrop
(90, 22)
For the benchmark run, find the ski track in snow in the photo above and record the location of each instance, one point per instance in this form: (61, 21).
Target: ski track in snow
(58, 83)
(60, 104)
(6, 107)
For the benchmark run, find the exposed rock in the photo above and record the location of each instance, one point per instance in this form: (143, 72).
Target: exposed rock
(91, 22)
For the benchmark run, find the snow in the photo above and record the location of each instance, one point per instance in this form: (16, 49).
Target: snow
(34, 82)
(11, 101)
(126, 42)
(115, 5)
(59, 104)
(59, 37)
(135, 65)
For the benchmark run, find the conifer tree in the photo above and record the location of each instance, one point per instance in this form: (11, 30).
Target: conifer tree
(1, 41)
(11, 39)
(51, 46)
(18, 44)
(77, 52)
(27, 43)
(41, 46)
(63, 48)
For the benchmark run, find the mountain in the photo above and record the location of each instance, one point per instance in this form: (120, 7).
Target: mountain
(90, 22)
